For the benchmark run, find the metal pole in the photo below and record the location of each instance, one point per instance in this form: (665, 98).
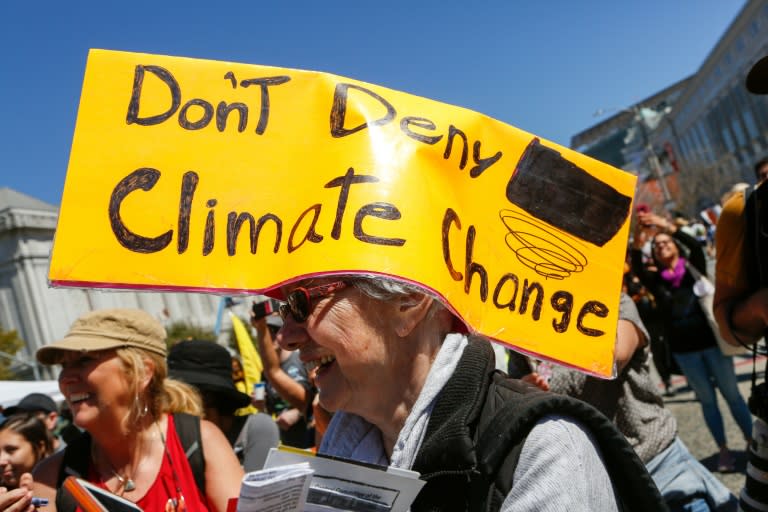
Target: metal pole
(15, 359)
(653, 160)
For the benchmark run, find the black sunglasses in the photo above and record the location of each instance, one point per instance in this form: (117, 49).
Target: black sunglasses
(298, 303)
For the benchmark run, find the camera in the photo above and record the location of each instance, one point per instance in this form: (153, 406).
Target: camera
(262, 309)
(758, 401)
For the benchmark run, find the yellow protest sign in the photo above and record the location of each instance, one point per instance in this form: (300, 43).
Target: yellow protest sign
(194, 175)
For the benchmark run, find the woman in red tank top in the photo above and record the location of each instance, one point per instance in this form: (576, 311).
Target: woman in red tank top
(114, 378)
(174, 483)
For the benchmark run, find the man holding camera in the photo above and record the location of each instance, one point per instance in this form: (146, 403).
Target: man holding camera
(741, 296)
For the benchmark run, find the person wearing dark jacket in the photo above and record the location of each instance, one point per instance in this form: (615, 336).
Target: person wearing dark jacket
(206, 366)
(633, 402)
(691, 339)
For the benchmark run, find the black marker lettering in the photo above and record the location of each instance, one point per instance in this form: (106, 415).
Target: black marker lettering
(482, 163)
(528, 289)
(210, 229)
(311, 235)
(144, 179)
(339, 111)
(222, 114)
(264, 83)
(345, 182)
(421, 122)
(449, 218)
(453, 132)
(135, 103)
(235, 223)
(497, 291)
(188, 186)
(184, 121)
(384, 211)
(471, 268)
(595, 308)
(562, 302)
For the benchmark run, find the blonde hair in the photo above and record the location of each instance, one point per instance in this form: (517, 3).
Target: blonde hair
(162, 395)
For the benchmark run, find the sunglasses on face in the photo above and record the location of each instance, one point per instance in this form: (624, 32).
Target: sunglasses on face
(298, 303)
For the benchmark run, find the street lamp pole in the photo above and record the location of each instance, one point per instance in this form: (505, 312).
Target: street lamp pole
(653, 160)
(15, 359)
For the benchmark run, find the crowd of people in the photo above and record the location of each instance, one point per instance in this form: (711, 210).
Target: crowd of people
(379, 371)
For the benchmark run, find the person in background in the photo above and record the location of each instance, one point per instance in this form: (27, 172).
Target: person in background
(761, 171)
(633, 403)
(407, 390)
(289, 392)
(741, 297)
(206, 366)
(45, 408)
(114, 379)
(69, 431)
(652, 320)
(691, 339)
(24, 441)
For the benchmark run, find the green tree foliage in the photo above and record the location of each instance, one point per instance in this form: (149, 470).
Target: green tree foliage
(181, 330)
(10, 343)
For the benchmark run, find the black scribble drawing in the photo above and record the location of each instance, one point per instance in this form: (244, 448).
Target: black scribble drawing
(539, 247)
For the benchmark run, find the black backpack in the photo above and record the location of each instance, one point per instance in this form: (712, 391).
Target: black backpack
(76, 458)
(500, 442)
(472, 447)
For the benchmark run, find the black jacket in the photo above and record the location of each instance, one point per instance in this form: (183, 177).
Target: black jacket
(479, 425)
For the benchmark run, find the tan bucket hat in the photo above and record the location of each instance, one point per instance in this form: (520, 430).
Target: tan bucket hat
(105, 329)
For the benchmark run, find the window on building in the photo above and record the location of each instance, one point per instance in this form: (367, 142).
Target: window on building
(749, 122)
(725, 133)
(738, 131)
(696, 150)
(685, 150)
(705, 142)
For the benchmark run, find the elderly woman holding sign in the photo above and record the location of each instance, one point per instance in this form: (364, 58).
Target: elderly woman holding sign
(411, 392)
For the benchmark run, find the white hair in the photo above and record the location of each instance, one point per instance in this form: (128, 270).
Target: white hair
(386, 289)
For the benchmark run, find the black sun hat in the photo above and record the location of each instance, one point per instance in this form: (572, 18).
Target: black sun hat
(207, 366)
(33, 402)
(757, 78)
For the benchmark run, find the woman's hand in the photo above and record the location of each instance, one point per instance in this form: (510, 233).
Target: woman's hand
(651, 220)
(537, 380)
(288, 418)
(17, 500)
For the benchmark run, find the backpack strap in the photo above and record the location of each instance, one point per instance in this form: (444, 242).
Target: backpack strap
(75, 461)
(188, 430)
(500, 442)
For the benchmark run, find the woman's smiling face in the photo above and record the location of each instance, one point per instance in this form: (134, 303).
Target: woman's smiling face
(664, 248)
(17, 456)
(344, 338)
(94, 385)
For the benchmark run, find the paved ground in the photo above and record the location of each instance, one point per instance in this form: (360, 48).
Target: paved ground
(694, 433)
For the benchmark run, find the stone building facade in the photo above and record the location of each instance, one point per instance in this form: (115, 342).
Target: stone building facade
(41, 314)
